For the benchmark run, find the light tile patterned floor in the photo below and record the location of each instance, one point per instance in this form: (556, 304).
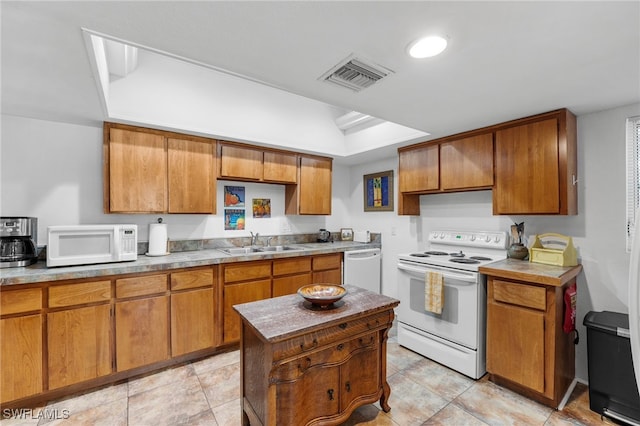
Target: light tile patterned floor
(206, 392)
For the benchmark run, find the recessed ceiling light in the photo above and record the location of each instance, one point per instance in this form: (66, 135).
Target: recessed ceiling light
(427, 47)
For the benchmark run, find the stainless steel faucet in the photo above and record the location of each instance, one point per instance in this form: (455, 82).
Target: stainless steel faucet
(254, 238)
(269, 241)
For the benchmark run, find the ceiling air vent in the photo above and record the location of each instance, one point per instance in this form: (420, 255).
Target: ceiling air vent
(355, 74)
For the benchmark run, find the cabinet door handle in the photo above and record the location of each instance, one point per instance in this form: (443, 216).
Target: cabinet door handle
(348, 386)
(330, 392)
(343, 325)
(340, 347)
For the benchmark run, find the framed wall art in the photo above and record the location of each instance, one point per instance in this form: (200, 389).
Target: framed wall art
(378, 192)
(346, 234)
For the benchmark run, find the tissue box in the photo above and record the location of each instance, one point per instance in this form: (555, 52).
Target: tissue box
(362, 236)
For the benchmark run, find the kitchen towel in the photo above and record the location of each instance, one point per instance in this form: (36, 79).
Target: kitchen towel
(433, 292)
(157, 239)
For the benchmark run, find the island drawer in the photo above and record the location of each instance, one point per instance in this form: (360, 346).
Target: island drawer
(335, 354)
(345, 330)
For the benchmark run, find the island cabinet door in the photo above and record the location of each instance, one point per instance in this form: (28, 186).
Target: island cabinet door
(360, 376)
(320, 387)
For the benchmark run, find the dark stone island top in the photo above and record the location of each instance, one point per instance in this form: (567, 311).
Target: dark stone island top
(281, 318)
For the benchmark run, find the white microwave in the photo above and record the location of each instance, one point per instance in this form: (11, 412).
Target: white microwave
(89, 244)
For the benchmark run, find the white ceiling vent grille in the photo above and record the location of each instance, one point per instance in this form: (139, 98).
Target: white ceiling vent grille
(355, 74)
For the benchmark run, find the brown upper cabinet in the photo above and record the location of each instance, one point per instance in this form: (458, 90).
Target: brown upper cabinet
(151, 171)
(192, 180)
(137, 172)
(536, 170)
(155, 171)
(419, 168)
(242, 162)
(312, 194)
(530, 163)
(446, 165)
(467, 163)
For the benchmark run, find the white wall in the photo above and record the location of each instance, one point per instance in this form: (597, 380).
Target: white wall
(53, 171)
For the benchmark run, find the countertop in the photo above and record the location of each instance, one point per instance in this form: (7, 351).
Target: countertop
(281, 318)
(39, 272)
(524, 270)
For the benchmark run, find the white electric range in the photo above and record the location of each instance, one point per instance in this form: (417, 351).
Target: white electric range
(456, 337)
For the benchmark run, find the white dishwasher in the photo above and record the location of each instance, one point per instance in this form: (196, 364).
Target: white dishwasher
(362, 269)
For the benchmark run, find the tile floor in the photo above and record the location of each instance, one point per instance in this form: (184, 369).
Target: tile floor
(206, 392)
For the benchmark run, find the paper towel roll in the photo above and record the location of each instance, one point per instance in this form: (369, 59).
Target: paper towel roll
(157, 239)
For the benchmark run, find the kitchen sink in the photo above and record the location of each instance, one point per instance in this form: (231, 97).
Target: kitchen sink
(241, 250)
(255, 250)
(279, 248)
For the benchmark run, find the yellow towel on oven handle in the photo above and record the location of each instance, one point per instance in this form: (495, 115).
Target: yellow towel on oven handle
(433, 292)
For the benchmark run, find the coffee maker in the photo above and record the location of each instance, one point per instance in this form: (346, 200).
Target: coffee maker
(18, 239)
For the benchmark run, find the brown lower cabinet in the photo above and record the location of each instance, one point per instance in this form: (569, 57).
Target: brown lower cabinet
(142, 332)
(527, 349)
(290, 274)
(78, 332)
(73, 335)
(21, 359)
(252, 281)
(78, 344)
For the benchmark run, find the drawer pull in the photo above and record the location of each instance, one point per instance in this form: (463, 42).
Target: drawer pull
(363, 343)
(340, 347)
(377, 324)
(313, 345)
(343, 325)
(304, 368)
(330, 392)
(348, 386)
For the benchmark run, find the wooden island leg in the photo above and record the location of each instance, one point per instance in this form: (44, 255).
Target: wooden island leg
(386, 389)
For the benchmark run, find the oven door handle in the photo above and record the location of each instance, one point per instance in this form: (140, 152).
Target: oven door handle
(446, 273)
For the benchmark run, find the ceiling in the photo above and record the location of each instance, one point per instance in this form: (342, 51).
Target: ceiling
(504, 60)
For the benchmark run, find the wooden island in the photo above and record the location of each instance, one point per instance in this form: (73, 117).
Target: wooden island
(303, 365)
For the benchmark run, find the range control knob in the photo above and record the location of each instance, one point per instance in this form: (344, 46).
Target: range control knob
(473, 237)
(488, 238)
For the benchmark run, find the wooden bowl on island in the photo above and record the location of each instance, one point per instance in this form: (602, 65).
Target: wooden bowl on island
(322, 294)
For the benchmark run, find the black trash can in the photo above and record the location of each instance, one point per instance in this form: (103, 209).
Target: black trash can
(612, 383)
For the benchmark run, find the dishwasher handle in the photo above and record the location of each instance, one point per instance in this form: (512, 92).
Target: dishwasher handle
(361, 254)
